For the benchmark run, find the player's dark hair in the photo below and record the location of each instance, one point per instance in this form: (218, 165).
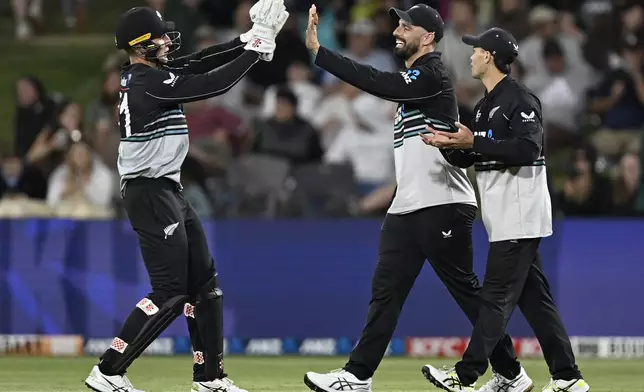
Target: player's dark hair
(502, 66)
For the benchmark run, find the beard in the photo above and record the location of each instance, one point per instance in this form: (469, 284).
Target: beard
(407, 50)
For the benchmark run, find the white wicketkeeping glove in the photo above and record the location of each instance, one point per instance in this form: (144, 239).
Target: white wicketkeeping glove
(268, 16)
(280, 23)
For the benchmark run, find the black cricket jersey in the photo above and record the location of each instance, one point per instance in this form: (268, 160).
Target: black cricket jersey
(509, 161)
(154, 132)
(425, 96)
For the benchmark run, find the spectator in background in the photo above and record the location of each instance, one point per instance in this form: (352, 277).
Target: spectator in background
(19, 179)
(630, 25)
(456, 55)
(626, 186)
(216, 135)
(241, 21)
(610, 32)
(367, 144)
(102, 108)
(544, 21)
(560, 91)
(512, 16)
(585, 191)
(25, 13)
(81, 179)
(51, 145)
(334, 113)
(101, 119)
(35, 112)
(361, 48)
(364, 10)
(619, 101)
(106, 138)
(384, 39)
(286, 135)
(300, 81)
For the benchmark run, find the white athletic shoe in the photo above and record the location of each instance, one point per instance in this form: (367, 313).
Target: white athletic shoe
(446, 378)
(102, 383)
(336, 380)
(220, 385)
(576, 385)
(498, 383)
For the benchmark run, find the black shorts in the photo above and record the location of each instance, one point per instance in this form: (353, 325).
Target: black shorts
(173, 242)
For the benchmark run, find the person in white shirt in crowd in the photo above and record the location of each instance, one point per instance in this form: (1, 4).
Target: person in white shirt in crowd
(82, 178)
(366, 144)
(545, 26)
(300, 83)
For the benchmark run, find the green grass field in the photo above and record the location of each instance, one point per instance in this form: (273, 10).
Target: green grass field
(280, 374)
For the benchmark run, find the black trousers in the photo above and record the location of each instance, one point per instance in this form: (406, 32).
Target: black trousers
(172, 239)
(514, 276)
(176, 256)
(442, 235)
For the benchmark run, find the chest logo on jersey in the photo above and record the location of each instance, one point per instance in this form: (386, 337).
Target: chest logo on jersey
(494, 109)
(478, 115)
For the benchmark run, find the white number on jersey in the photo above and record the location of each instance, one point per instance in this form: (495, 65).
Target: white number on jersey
(124, 109)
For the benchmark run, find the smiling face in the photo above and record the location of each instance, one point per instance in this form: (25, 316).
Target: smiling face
(410, 39)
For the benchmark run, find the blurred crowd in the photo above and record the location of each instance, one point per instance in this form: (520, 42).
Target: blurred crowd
(293, 141)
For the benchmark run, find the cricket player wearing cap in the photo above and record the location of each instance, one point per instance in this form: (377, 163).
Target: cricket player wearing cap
(506, 147)
(431, 215)
(154, 144)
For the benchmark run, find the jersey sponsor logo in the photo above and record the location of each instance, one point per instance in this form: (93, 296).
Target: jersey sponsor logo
(494, 109)
(478, 115)
(528, 117)
(488, 134)
(410, 75)
(171, 80)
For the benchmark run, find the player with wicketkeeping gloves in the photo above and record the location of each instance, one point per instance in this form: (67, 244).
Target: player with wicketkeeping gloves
(154, 144)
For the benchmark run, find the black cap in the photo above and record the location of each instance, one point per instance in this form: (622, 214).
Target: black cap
(138, 25)
(499, 42)
(424, 16)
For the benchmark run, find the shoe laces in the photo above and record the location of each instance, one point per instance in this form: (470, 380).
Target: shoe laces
(497, 380)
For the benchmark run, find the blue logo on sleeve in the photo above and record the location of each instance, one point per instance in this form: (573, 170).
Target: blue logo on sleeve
(413, 74)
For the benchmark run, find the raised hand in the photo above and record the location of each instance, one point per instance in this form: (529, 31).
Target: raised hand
(312, 42)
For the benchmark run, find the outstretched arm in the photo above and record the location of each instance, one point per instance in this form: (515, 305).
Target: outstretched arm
(208, 59)
(171, 88)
